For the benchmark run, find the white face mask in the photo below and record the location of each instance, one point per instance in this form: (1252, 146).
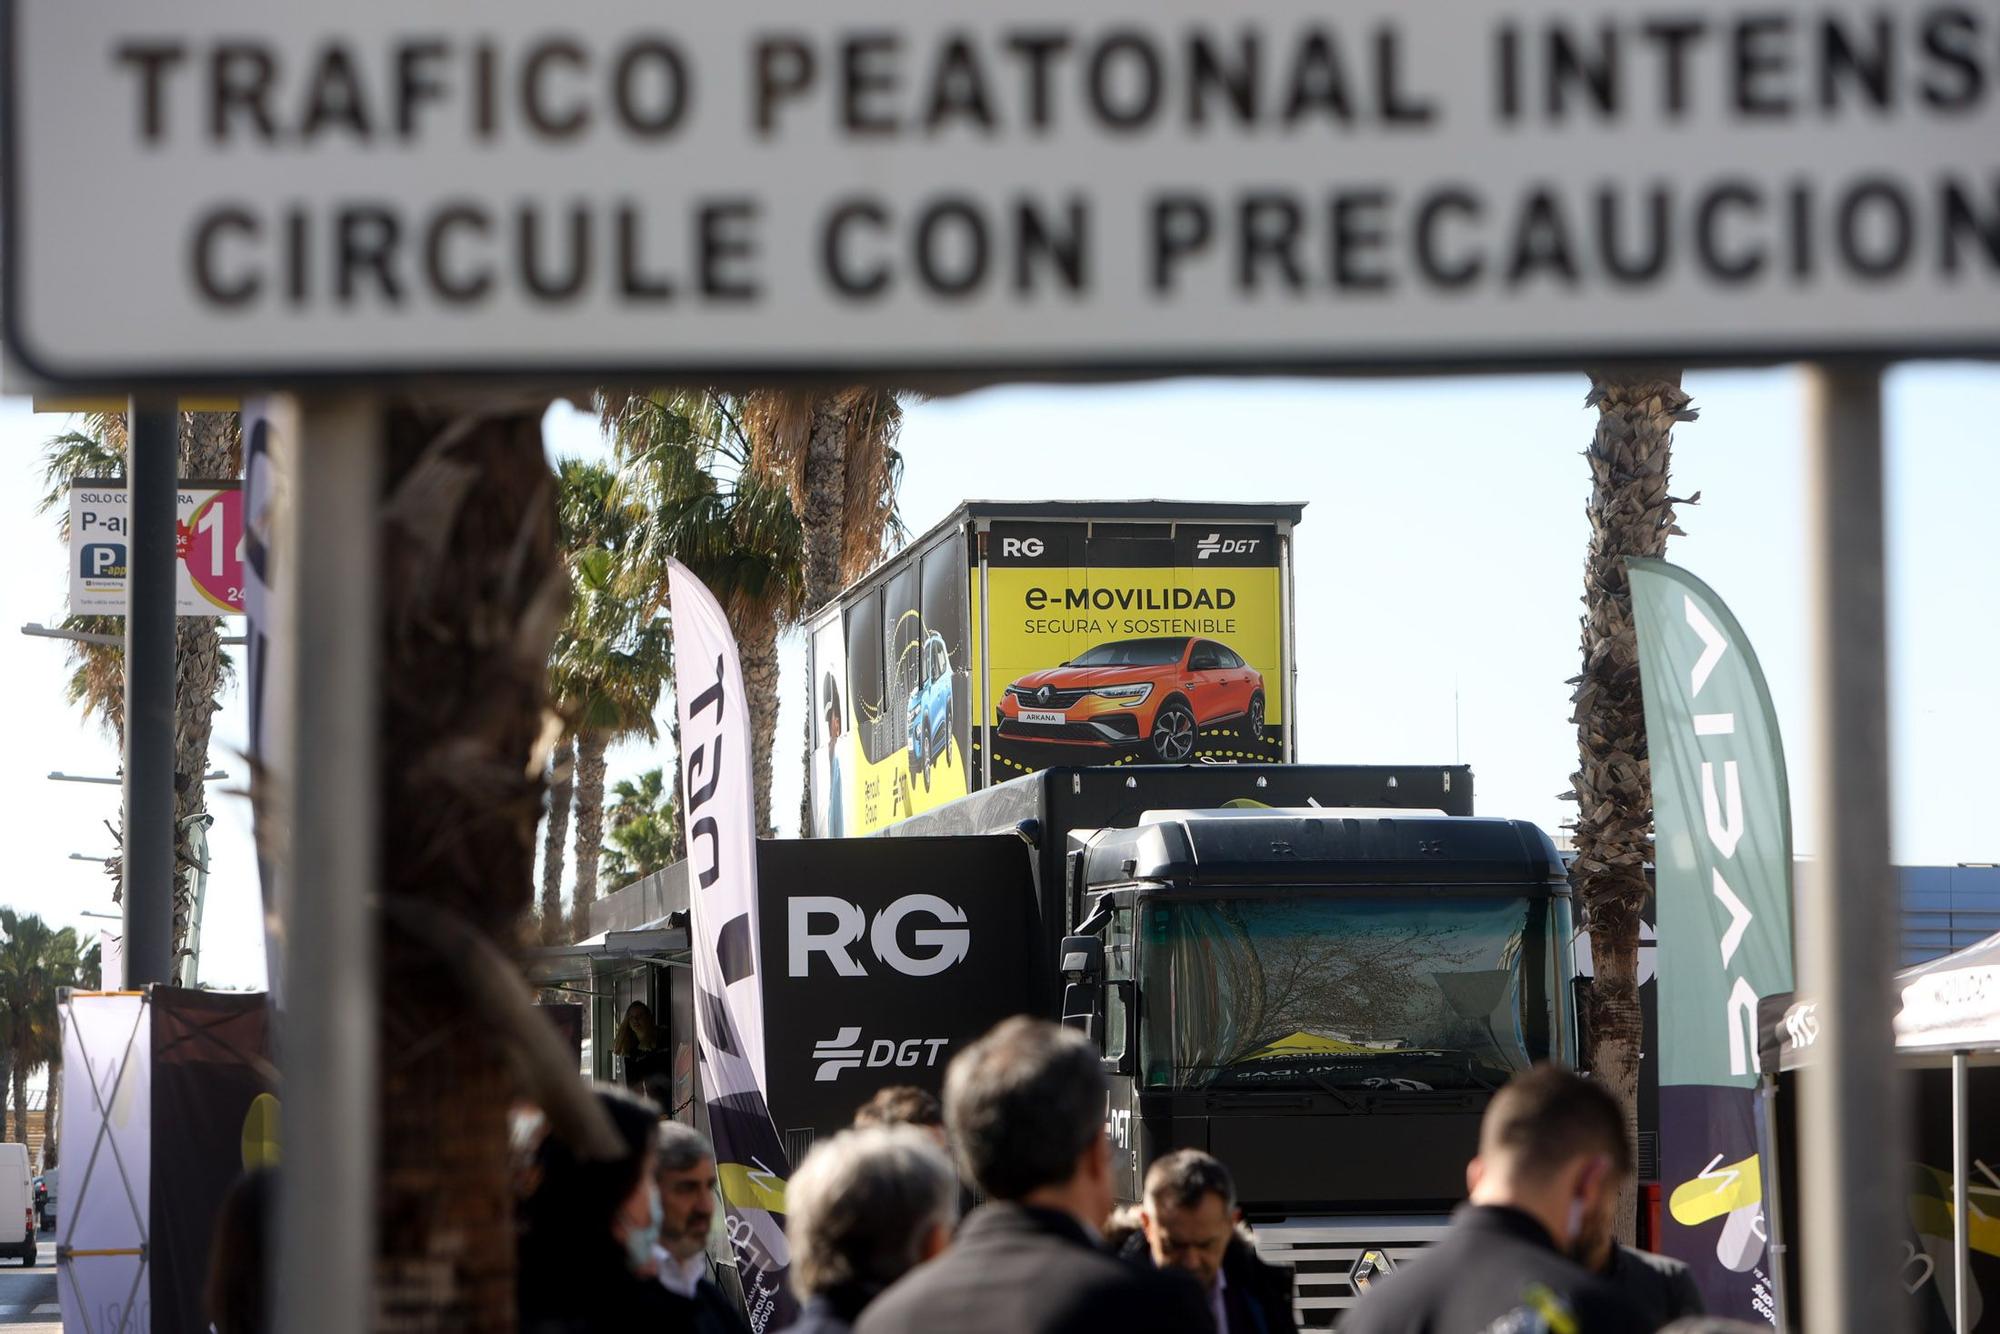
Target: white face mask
(1574, 1232)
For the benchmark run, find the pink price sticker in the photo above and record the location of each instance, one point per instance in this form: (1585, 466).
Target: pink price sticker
(212, 549)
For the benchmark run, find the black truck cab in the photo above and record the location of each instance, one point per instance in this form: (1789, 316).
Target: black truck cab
(1324, 999)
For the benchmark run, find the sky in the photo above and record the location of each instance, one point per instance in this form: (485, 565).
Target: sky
(1439, 575)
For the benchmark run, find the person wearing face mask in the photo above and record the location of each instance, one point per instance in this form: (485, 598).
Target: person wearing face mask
(1551, 1147)
(684, 1170)
(588, 1235)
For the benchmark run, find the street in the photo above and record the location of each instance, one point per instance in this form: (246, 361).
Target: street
(28, 1296)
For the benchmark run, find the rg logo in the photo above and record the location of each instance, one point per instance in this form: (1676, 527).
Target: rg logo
(1021, 546)
(941, 945)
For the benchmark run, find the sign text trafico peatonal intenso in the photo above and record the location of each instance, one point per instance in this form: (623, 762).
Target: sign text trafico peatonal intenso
(414, 186)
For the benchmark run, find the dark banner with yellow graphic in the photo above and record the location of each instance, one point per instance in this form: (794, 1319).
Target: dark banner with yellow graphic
(1109, 644)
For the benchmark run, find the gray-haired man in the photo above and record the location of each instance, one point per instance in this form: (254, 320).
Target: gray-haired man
(865, 1208)
(685, 1172)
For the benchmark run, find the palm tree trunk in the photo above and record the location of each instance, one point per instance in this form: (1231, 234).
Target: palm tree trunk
(757, 643)
(825, 494)
(52, 1119)
(590, 747)
(1631, 514)
(562, 785)
(21, 1073)
(197, 683)
(472, 593)
(823, 497)
(7, 1135)
(211, 448)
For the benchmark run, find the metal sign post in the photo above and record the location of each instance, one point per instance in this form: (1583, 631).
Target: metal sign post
(152, 458)
(326, 1224)
(1851, 1140)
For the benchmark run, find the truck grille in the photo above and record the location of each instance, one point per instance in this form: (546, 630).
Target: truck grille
(1321, 1253)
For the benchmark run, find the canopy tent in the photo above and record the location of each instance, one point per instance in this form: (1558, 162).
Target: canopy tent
(168, 1096)
(1949, 1014)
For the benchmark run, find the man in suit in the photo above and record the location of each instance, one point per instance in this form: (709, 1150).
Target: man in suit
(684, 1169)
(1025, 1107)
(1551, 1146)
(1189, 1222)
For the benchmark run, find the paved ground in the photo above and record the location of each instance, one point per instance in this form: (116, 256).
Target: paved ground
(28, 1296)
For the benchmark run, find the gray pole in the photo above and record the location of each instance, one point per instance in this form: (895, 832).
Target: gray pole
(1851, 1145)
(152, 463)
(327, 575)
(1961, 1201)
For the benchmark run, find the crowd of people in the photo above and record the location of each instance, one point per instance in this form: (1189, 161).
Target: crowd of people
(882, 1240)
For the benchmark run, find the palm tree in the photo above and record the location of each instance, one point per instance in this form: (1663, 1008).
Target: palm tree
(836, 455)
(692, 477)
(472, 590)
(211, 448)
(1631, 514)
(562, 789)
(88, 975)
(612, 658)
(35, 964)
(645, 827)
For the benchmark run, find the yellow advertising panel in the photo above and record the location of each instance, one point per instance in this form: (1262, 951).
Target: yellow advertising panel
(1104, 648)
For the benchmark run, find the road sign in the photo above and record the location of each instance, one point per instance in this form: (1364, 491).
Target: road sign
(256, 192)
(208, 539)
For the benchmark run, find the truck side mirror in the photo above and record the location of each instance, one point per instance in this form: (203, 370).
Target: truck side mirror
(1081, 963)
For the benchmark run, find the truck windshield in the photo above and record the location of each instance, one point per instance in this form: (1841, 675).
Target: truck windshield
(1411, 990)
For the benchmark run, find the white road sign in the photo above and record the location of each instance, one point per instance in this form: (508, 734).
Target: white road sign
(233, 190)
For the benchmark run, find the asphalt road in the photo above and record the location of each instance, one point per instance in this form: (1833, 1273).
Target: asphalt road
(28, 1296)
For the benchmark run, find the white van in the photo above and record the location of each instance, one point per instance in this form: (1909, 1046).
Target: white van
(17, 1204)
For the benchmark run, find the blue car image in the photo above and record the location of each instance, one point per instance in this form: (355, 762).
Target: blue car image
(930, 711)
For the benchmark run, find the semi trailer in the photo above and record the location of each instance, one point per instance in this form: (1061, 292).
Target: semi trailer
(1016, 636)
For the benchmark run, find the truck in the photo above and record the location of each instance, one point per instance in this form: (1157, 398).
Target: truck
(1318, 973)
(1016, 636)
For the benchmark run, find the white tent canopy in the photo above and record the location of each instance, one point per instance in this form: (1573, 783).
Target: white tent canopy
(1952, 1004)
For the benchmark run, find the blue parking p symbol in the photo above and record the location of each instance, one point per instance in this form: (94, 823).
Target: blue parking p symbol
(104, 560)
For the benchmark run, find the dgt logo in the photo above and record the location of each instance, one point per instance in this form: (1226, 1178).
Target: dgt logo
(1021, 546)
(1217, 545)
(104, 560)
(946, 942)
(844, 1051)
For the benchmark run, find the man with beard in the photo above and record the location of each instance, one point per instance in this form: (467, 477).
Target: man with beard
(686, 1177)
(1552, 1147)
(1661, 1287)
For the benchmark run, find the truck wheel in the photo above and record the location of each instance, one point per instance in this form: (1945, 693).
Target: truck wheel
(1174, 733)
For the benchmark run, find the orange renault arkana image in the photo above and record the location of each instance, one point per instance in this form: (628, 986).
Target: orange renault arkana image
(1149, 694)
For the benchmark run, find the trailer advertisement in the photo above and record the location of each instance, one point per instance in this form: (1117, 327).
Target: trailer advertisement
(1018, 636)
